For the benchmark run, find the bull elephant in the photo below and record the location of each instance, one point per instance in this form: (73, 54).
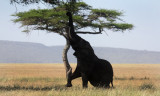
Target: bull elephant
(97, 71)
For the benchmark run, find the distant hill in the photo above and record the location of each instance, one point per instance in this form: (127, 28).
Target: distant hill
(24, 52)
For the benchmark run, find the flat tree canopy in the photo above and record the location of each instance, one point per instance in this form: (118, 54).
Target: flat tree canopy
(84, 16)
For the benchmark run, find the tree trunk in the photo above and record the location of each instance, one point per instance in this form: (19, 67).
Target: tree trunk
(65, 58)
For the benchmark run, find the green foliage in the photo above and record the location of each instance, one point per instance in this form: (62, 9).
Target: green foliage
(48, 19)
(84, 16)
(106, 13)
(120, 26)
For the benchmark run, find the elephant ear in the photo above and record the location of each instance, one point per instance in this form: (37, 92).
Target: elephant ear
(86, 48)
(86, 45)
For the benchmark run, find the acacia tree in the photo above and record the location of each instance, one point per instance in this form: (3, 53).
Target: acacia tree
(84, 16)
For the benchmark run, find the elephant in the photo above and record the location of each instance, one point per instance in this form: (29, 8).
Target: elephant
(97, 71)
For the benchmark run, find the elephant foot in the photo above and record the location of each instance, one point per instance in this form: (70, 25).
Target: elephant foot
(68, 85)
(84, 87)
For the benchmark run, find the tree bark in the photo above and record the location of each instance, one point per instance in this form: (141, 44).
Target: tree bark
(64, 56)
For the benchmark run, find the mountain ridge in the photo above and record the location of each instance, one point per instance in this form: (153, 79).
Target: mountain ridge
(27, 52)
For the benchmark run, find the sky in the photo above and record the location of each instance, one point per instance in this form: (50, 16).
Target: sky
(143, 14)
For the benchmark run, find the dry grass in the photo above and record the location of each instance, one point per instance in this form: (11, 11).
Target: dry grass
(49, 80)
(137, 74)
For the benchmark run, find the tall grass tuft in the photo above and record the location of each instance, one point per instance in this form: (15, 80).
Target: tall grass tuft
(145, 86)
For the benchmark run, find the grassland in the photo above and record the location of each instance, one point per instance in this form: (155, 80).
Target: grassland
(49, 80)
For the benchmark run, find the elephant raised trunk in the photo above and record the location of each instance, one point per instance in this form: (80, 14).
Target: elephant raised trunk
(72, 35)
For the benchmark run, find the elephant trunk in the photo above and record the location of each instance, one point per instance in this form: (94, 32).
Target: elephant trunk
(73, 37)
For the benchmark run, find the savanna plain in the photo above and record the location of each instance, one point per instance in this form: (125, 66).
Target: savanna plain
(50, 80)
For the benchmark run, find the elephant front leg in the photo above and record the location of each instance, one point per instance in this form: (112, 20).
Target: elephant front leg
(69, 78)
(84, 80)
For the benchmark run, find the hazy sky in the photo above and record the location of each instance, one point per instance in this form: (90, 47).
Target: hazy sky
(143, 14)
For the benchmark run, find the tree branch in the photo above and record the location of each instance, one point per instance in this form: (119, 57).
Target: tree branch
(82, 32)
(48, 29)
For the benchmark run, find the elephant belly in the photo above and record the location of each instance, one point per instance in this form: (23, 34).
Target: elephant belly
(99, 80)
